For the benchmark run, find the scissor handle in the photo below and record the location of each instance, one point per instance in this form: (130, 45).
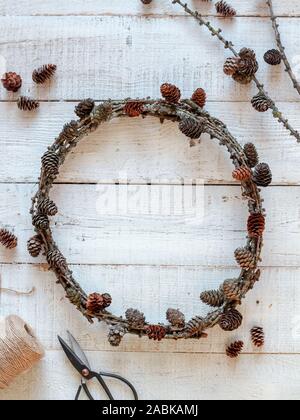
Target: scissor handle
(120, 378)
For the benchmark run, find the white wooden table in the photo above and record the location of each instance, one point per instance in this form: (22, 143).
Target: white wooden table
(117, 49)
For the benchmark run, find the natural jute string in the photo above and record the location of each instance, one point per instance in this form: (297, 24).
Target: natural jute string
(19, 349)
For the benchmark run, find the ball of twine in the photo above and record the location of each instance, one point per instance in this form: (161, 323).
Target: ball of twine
(19, 349)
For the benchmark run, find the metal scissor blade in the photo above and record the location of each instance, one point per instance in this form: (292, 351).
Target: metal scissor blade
(71, 355)
(78, 350)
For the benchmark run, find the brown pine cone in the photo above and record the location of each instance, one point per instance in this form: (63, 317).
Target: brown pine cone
(195, 326)
(231, 320)
(135, 318)
(69, 131)
(191, 128)
(97, 302)
(176, 318)
(40, 221)
(251, 154)
(50, 162)
(199, 97)
(47, 207)
(34, 246)
(8, 239)
(231, 65)
(235, 349)
(260, 103)
(258, 336)
(262, 175)
(156, 332)
(44, 73)
(225, 9)
(27, 104)
(55, 259)
(170, 93)
(101, 114)
(256, 225)
(243, 173)
(84, 108)
(232, 290)
(245, 258)
(11, 81)
(116, 334)
(243, 79)
(248, 64)
(214, 298)
(133, 108)
(273, 57)
(74, 297)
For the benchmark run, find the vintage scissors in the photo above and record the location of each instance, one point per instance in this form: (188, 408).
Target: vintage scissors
(77, 357)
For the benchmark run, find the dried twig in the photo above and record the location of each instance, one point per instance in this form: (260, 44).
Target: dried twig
(17, 292)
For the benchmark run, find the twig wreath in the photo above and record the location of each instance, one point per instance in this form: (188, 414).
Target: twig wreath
(193, 121)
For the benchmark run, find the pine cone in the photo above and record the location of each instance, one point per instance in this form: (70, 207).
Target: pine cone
(176, 318)
(258, 336)
(256, 225)
(84, 108)
(170, 93)
(195, 326)
(243, 173)
(101, 114)
(245, 258)
(231, 65)
(225, 9)
(262, 175)
(27, 104)
(97, 302)
(74, 297)
(199, 97)
(133, 108)
(273, 57)
(135, 318)
(248, 64)
(50, 162)
(243, 79)
(69, 131)
(231, 320)
(47, 207)
(11, 81)
(55, 259)
(44, 73)
(232, 290)
(116, 334)
(260, 103)
(251, 154)
(34, 246)
(191, 128)
(146, 1)
(214, 298)
(8, 239)
(156, 332)
(235, 349)
(40, 221)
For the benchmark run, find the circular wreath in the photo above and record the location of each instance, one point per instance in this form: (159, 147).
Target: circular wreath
(193, 121)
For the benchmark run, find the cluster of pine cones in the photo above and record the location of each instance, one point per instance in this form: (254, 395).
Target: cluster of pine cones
(243, 67)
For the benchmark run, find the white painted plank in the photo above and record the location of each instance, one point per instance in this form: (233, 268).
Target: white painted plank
(273, 304)
(169, 376)
(92, 229)
(117, 57)
(144, 150)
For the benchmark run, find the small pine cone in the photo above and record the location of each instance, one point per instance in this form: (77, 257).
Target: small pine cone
(260, 103)
(69, 132)
(133, 108)
(11, 81)
(195, 326)
(251, 154)
(74, 297)
(199, 97)
(135, 318)
(231, 65)
(225, 9)
(262, 175)
(84, 108)
(97, 302)
(273, 57)
(50, 162)
(101, 114)
(176, 318)
(34, 246)
(116, 334)
(27, 104)
(8, 239)
(170, 93)
(256, 225)
(232, 290)
(235, 349)
(214, 298)
(191, 128)
(44, 73)
(258, 336)
(56, 260)
(47, 207)
(245, 258)
(40, 221)
(243, 79)
(156, 332)
(248, 64)
(231, 320)
(243, 173)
